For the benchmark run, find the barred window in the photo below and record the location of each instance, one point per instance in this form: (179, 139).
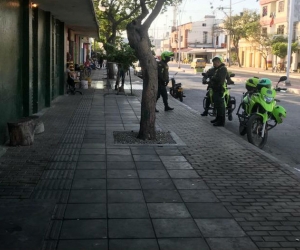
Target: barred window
(281, 6)
(265, 11)
(280, 30)
(264, 31)
(205, 37)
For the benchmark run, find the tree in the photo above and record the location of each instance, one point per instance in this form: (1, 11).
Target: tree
(113, 17)
(238, 27)
(262, 42)
(124, 56)
(137, 32)
(280, 49)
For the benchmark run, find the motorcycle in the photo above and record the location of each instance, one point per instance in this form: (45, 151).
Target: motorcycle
(229, 101)
(258, 112)
(176, 89)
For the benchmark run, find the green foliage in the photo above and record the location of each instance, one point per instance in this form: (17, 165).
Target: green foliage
(124, 55)
(278, 39)
(280, 49)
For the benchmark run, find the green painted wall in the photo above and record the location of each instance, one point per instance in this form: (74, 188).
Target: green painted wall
(11, 16)
(31, 61)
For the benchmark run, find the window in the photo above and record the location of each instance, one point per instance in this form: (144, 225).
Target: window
(265, 11)
(203, 24)
(281, 6)
(280, 30)
(205, 37)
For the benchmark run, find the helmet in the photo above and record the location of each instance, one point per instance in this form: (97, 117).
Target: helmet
(166, 54)
(251, 83)
(264, 82)
(218, 58)
(279, 112)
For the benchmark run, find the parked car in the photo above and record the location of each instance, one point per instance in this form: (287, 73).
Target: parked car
(198, 63)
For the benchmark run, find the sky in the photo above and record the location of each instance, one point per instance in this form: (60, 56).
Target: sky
(195, 10)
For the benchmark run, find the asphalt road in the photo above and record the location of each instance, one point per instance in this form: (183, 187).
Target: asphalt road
(282, 140)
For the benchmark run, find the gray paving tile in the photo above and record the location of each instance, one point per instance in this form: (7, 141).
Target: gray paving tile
(93, 145)
(208, 210)
(220, 228)
(161, 196)
(122, 174)
(168, 151)
(168, 210)
(123, 184)
(84, 229)
(133, 244)
(120, 165)
(183, 244)
(177, 165)
(150, 165)
(198, 196)
(92, 151)
(130, 228)
(87, 196)
(231, 244)
(128, 210)
(157, 184)
(153, 174)
(118, 151)
(88, 158)
(89, 184)
(102, 140)
(91, 165)
(143, 151)
(147, 158)
(190, 184)
(116, 196)
(172, 158)
(183, 174)
(179, 228)
(85, 211)
(120, 158)
(82, 244)
(90, 174)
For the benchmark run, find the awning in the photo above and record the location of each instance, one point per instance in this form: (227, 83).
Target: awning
(78, 15)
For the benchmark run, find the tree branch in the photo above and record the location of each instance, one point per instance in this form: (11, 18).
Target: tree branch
(154, 13)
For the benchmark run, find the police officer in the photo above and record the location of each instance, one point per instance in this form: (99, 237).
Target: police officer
(217, 81)
(163, 78)
(210, 72)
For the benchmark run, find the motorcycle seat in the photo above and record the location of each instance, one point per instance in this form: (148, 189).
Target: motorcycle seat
(178, 85)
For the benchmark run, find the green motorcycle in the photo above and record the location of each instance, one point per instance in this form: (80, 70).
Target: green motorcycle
(258, 112)
(229, 101)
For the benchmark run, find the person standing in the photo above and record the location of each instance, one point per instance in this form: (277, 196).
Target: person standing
(163, 78)
(218, 81)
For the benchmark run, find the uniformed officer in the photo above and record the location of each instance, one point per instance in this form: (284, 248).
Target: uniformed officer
(163, 78)
(218, 80)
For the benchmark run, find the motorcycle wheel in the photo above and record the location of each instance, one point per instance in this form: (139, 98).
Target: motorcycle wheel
(254, 131)
(180, 96)
(242, 129)
(171, 92)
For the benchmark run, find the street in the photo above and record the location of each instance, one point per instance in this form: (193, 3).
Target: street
(282, 140)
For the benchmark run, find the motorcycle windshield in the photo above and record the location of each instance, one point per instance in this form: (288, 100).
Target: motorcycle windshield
(267, 98)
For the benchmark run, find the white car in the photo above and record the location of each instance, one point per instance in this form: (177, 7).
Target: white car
(137, 70)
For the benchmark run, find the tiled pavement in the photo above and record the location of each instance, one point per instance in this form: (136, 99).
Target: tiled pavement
(75, 189)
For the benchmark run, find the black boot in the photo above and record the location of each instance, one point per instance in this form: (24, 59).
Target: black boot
(205, 113)
(215, 120)
(220, 122)
(167, 108)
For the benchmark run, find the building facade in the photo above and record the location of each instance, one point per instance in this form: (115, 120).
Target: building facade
(37, 39)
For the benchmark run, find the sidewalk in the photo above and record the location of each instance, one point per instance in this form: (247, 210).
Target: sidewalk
(74, 188)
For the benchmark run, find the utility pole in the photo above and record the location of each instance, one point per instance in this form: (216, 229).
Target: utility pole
(229, 38)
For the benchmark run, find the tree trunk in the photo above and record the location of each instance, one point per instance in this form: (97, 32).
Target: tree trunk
(139, 40)
(111, 70)
(21, 132)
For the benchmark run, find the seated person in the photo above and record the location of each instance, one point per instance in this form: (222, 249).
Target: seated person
(71, 77)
